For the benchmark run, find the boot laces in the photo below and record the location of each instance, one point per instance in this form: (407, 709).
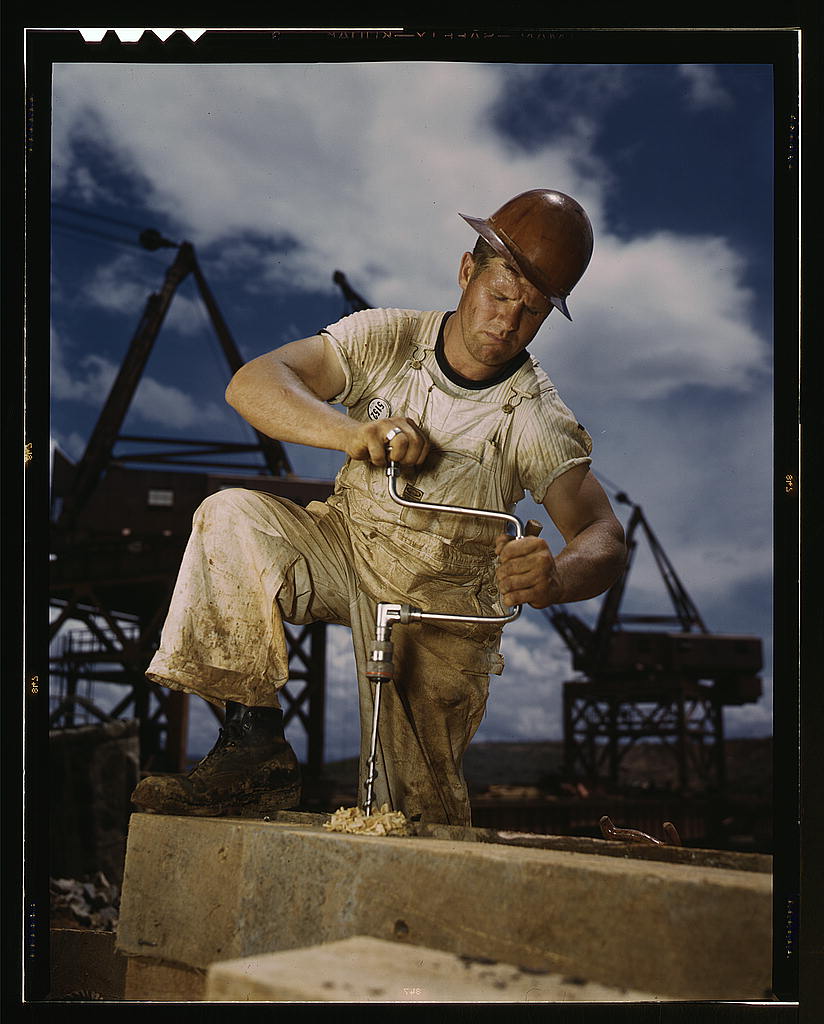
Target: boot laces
(227, 739)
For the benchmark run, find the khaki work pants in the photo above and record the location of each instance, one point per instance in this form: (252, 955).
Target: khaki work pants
(255, 560)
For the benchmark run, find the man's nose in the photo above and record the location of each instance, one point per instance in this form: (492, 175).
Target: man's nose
(510, 317)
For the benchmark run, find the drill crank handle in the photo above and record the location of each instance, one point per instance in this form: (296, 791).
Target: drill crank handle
(533, 528)
(484, 513)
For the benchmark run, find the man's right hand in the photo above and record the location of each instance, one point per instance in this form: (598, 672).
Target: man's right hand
(286, 393)
(408, 448)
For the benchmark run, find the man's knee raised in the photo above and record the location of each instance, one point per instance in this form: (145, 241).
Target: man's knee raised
(221, 505)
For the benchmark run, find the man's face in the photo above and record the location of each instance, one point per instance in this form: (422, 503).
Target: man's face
(498, 315)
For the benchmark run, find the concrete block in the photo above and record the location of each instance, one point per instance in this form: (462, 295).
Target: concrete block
(367, 970)
(197, 891)
(150, 980)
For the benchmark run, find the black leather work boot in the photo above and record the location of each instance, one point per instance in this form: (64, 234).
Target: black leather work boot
(249, 772)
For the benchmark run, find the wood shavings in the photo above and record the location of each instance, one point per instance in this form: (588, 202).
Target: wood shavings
(382, 823)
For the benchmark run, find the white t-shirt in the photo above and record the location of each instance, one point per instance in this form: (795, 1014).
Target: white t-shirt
(490, 444)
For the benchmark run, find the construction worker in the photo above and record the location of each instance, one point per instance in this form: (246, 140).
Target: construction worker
(455, 400)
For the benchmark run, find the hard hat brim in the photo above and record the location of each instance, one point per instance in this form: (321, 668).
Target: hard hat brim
(489, 234)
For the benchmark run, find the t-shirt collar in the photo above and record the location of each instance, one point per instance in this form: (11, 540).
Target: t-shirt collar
(505, 372)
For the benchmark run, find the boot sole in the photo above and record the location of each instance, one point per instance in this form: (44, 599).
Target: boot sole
(283, 800)
(254, 807)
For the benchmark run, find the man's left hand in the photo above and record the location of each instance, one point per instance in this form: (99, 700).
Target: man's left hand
(527, 573)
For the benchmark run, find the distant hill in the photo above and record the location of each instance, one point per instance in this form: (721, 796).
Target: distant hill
(749, 766)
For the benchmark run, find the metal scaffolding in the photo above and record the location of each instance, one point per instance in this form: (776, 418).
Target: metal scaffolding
(110, 583)
(668, 684)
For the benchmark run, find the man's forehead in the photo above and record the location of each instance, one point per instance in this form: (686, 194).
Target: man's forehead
(501, 273)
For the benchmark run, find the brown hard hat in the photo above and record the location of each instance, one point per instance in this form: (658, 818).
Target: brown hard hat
(546, 236)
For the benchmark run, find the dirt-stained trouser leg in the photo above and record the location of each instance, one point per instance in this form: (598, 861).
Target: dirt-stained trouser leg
(254, 561)
(241, 576)
(428, 715)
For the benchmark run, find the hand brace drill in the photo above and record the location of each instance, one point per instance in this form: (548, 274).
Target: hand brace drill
(379, 668)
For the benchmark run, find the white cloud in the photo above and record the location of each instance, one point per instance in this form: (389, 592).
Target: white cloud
(655, 316)
(704, 89)
(168, 405)
(87, 188)
(119, 287)
(702, 472)
(526, 699)
(365, 167)
(90, 380)
(125, 284)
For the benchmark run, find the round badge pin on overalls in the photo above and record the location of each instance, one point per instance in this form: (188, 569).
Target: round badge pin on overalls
(379, 409)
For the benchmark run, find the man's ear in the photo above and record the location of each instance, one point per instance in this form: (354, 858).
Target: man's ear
(465, 269)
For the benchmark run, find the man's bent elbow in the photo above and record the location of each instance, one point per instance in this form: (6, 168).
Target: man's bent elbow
(611, 559)
(618, 555)
(234, 389)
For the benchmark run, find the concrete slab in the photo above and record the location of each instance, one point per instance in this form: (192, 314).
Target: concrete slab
(367, 970)
(733, 859)
(150, 980)
(197, 891)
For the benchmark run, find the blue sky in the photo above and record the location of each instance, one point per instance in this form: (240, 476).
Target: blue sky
(280, 174)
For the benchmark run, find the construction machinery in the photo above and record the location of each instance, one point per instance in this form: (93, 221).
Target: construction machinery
(120, 520)
(667, 682)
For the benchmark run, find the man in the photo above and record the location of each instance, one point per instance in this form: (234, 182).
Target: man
(456, 401)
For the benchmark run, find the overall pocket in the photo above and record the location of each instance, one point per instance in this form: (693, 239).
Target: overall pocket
(467, 478)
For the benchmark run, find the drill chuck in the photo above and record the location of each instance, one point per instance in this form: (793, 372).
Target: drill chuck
(379, 666)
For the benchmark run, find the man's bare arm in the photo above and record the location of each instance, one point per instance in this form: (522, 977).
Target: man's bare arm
(593, 558)
(285, 394)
